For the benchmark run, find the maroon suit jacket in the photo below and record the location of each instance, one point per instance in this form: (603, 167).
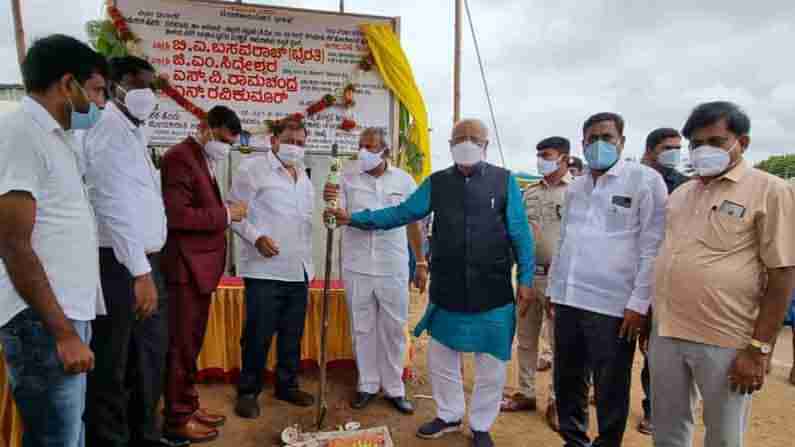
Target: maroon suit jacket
(195, 250)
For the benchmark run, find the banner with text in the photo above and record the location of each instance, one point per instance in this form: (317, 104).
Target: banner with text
(263, 62)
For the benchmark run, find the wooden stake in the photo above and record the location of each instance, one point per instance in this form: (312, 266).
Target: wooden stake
(19, 31)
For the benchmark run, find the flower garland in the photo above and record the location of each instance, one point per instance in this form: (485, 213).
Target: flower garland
(131, 41)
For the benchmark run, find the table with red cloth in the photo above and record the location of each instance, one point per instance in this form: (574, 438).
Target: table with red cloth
(220, 357)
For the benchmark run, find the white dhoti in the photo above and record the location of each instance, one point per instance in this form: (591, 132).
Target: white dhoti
(378, 307)
(448, 388)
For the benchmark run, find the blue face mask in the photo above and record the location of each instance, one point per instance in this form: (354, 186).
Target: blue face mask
(601, 155)
(84, 121)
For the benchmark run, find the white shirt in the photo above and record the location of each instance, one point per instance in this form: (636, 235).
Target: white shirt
(610, 235)
(39, 157)
(378, 253)
(125, 189)
(280, 208)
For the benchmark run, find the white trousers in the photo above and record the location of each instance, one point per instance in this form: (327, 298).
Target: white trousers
(448, 388)
(379, 308)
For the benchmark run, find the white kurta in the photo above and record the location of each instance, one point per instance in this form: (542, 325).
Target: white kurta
(375, 272)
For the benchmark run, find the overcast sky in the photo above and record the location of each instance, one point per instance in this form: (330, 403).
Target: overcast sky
(551, 63)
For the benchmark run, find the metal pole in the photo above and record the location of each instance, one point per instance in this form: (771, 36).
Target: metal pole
(457, 63)
(342, 5)
(19, 31)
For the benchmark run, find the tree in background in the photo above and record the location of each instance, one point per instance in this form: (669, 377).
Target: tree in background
(779, 165)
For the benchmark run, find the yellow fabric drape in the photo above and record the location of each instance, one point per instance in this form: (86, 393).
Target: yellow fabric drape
(394, 67)
(10, 420)
(221, 349)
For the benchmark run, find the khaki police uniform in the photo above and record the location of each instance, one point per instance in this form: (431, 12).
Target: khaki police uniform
(544, 207)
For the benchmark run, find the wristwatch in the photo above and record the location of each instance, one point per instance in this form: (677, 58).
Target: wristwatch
(764, 348)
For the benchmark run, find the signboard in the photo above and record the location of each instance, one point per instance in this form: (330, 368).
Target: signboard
(263, 62)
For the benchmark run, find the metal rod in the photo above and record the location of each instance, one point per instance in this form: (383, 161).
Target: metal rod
(457, 63)
(342, 5)
(19, 31)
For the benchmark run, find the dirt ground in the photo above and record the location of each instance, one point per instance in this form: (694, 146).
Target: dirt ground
(771, 423)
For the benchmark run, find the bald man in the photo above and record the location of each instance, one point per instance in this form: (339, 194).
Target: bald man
(479, 232)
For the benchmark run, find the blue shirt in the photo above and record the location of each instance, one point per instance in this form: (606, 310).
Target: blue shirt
(488, 332)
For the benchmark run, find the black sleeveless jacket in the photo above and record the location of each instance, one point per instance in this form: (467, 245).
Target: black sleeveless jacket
(472, 252)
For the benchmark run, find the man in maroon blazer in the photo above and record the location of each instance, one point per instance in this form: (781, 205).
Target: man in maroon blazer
(193, 262)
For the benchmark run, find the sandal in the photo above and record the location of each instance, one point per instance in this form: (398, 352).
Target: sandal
(518, 402)
(646, 427)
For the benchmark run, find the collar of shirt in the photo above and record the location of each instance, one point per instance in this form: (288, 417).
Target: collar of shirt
(40, 115)
(736, 173)
(565, 180)
(478, 169)
(614, 171)
(278, 166)
(116, 112)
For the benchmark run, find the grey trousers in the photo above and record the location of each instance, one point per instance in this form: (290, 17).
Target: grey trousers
(678, 367)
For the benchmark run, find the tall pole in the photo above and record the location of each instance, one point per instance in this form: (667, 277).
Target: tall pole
(19, 31)
(342, 5)
(457, 62)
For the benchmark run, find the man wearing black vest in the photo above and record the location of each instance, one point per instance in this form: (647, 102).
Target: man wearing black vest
(480, 231)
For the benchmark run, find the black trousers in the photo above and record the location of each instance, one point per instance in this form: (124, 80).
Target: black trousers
(272, 308)
(585, 343)
(125, 386)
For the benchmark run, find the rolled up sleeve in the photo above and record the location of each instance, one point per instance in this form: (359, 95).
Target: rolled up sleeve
(244, 189)
(651, 208)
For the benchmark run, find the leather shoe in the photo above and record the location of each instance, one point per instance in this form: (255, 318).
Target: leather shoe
(165, 442)
(209, 418)
(401, 404)
(247, 406)
(362, 400)
(193, 431)
(297, 398)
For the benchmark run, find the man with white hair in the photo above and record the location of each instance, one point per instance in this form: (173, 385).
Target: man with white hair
(480, 230)
(376, 271)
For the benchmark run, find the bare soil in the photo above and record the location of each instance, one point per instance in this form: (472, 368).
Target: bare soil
(771, 424)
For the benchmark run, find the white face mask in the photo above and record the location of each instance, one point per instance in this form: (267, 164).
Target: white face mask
(709, 161)
(467, 154)
(669, 159)
(290, 154)
(216, 150)
(369, 161)
(140, 102)
(547, 167)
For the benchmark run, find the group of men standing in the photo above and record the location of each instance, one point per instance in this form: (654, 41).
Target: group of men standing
(93, 230)
(107, 269)
(713, 260)
(109, 265)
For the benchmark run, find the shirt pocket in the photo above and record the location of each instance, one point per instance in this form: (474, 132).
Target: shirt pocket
(619, 219)
(394, 198)
(723, 232)
(552, 212)
(533, 209)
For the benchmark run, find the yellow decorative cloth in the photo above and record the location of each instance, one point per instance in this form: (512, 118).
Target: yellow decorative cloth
(394, 67)
(10, 420)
